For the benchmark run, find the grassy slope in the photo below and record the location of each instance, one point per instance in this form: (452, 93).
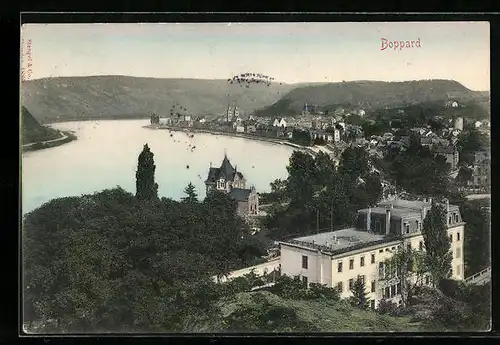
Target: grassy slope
(325, 315)
(371, 95)
(69, 98)
(32, 131)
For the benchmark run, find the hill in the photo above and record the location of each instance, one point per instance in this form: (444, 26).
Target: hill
(72, 98)
(370, 95)
(33, 132)
(266, 312)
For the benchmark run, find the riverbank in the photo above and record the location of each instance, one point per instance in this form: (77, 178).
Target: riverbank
(311, 150)
(97, 118)
(66, 138)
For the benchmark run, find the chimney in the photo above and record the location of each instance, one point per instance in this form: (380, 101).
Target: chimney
(387, 221)
(424, 213)
(368, 219)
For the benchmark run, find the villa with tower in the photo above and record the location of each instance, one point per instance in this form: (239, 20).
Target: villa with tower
(227, 179)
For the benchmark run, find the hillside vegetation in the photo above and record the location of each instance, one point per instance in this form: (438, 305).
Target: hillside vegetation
(70, 98)
(370, 95)
(245, 312)
(33, 132)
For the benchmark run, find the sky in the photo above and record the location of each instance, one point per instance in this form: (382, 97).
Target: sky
(289, 52)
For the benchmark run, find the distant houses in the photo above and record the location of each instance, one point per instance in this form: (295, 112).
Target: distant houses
(481, 170)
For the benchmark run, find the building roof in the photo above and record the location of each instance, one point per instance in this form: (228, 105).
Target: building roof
(402, 208)
(340, 241)
(226, 171)
(240, 194)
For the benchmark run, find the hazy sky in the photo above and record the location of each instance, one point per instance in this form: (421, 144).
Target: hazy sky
(289, 52)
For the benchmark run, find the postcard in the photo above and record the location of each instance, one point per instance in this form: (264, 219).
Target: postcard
(255, 177)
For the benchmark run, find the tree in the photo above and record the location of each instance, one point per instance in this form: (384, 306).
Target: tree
(301, 178)
(464, 176)
(437, 243)
(477, 237)
(406, 268)
(354, 162)
(146, 188)
(359, 295)
(191, 196)
(110, 261)
(278, 189)
(301, 137)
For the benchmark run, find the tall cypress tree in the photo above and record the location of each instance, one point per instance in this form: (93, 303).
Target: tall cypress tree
(437, 243)
(359, 295)
(146, 188)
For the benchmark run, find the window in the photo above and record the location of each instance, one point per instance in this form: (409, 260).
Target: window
(339, 267)
(393, 290)
(373, 258)
(398, 288)
(351, 283)
(449, 220)
(377, 226)
(386, 249)
(407, 228)
(362, 278)
(373, 285)
(304, 280)
(408, 246)
(351, 264)
(362, 261)
(304, 262)
(427, 280)
(372, 304)
(458, 236)
(458, 252)
(420, 245)
(418, 225)
(387, 292)
(394, 247)
(381, 269)
(340, 287)
(381, 251)
(451, 238)
(456, 218)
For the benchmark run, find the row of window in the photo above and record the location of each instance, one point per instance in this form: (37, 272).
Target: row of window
(372, 256)
(453, 218)
(458, 237)
(340, 285)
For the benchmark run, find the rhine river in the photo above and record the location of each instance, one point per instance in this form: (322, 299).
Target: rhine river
(105, 156)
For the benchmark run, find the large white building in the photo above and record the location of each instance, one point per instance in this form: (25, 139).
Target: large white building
(337, 258)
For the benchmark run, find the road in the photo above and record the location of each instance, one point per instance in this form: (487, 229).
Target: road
(478, 196)
(64, 136)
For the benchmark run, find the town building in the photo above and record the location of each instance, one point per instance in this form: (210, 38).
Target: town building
(337, 258)
(459, 124)
(280, 123)
(450, 152)
(481, 172)
(232, 112)
(232, 182)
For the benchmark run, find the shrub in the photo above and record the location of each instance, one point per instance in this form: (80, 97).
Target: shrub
(317, 291)
(387, 307)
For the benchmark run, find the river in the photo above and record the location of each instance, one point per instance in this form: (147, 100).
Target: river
(105, 156)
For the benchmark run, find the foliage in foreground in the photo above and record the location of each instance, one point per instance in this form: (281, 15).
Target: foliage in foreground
(110, 261)
(264, 311)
